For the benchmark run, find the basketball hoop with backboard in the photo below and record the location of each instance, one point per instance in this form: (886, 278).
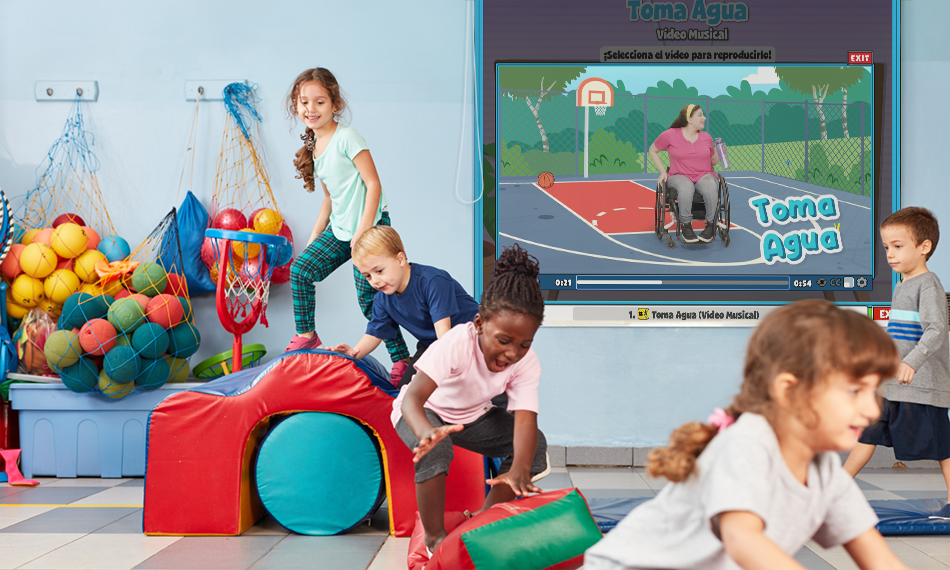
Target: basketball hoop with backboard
(597, 93)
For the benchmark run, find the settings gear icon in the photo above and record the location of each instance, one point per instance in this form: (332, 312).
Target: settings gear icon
(862, 282)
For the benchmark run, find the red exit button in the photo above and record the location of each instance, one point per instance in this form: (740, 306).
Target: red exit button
(882, 313)
(859, 57)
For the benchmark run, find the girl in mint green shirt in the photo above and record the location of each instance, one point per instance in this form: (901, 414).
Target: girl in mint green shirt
(353, 201)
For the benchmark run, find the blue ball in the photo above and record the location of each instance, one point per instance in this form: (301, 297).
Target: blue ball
(80, 308)
(122, 364)
(281, 255)
(154, 373)
(150, 341)
(83, 376)
(114, 248)
(184, 340)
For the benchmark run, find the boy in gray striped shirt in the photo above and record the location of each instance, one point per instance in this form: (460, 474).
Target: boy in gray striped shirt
(914, 418)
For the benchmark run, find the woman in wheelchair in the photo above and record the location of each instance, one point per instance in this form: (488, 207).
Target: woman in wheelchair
(692, 158)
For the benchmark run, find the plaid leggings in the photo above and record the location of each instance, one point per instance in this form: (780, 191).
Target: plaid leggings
(315, 264)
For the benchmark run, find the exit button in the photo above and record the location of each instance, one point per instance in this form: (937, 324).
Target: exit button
(859, 58)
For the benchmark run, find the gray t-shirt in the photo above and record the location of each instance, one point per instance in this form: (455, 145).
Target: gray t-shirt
(918, 325)
(741, 469)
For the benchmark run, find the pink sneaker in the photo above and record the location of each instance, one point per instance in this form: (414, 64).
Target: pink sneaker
(300, 342)
(399, 368)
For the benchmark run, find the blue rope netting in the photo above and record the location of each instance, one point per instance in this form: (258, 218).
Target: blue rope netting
(239, 100)
(71, 152)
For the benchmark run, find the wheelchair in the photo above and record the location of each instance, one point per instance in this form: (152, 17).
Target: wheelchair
(666, 202)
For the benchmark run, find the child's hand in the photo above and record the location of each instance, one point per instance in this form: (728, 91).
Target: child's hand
(434, 436)
(520, 483)
(345, 349)
(905, 374)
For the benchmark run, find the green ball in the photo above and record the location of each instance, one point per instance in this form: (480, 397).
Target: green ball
(186, 310)
(123, 340)
(150, 341)
(184, 340)
(149, 279)
(82, 307)
(83, 376)
(154, 373)
(62, 349)
(121, 364)
(180, 369)
(112, 389)
(126, 315)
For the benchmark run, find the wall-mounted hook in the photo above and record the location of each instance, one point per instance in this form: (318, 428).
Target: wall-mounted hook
(66, 90)
(201, 90)
(208, 89)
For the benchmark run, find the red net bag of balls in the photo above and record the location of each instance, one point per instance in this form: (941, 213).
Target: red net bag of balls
(62, 225)
(139, 332)
(243, 200)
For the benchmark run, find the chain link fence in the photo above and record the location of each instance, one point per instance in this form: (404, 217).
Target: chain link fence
(826, 144)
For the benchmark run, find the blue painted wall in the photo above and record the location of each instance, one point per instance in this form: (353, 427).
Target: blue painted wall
(402, 67)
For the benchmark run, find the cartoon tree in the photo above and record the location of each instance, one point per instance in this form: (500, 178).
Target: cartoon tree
(821, 81)
(523, 82)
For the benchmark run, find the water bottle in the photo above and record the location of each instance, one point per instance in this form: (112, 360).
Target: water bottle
(722, 152)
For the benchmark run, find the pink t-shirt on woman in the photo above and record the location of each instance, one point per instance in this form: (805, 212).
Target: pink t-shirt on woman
(465, 385)
(692, 160)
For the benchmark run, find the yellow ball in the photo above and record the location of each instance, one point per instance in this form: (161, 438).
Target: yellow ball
(49, 306)
(60, 285)
(85, 265)
(38, 260)
(112, 389)
(14, 310)
(28, 236)
(246, 250)
(27, 290)
(112, 288)
(267, 221)
(69, 240)
(180, 369)
(92, 288)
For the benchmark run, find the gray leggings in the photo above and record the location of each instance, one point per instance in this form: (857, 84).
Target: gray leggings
(491, 435)
(708, 188)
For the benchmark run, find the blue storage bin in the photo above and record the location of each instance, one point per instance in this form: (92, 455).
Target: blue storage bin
(65, 434)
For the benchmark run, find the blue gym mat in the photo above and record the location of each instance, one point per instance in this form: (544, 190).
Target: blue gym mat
(910, 516)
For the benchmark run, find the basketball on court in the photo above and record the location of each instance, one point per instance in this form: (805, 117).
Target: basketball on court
(545, 180)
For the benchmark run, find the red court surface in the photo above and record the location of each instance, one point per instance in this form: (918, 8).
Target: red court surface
(613, 207)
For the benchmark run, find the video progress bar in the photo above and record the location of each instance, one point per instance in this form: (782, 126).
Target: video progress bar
(683, 282)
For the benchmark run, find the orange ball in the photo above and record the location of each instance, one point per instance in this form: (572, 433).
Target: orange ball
(165, 311)
(92, 237)
(97, 337)
(11, 263)
(44, 236)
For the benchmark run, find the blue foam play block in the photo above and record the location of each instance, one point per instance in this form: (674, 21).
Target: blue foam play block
(3, 477)
(609, 512)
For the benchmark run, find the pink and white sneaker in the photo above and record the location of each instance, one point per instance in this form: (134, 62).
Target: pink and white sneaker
(301, 342)
(399, 368)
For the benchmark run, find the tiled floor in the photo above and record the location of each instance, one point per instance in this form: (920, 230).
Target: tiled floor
(69, 524)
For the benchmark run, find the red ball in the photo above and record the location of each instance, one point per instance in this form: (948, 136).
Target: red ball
(122, 294)
(45, 236)
(165, 311)
(65, 264)
(11, 263)
(143, 300)
(176, 286)
(230, 219)
(281, 274)
(207, 252)
(97, 337)
(66, 218)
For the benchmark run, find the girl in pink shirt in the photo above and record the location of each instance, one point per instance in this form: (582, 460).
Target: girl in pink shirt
(691, 169)
(448, 401)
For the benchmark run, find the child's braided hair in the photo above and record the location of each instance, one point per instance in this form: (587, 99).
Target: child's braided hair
(514, 285)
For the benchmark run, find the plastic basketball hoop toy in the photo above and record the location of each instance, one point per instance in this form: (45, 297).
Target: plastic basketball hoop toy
(599, 94)
(217, 366)
(245, 264)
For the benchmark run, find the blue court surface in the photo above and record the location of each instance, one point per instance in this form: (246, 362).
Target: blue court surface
(605, 226)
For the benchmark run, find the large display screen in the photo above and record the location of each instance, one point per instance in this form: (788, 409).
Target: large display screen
(798, 98)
